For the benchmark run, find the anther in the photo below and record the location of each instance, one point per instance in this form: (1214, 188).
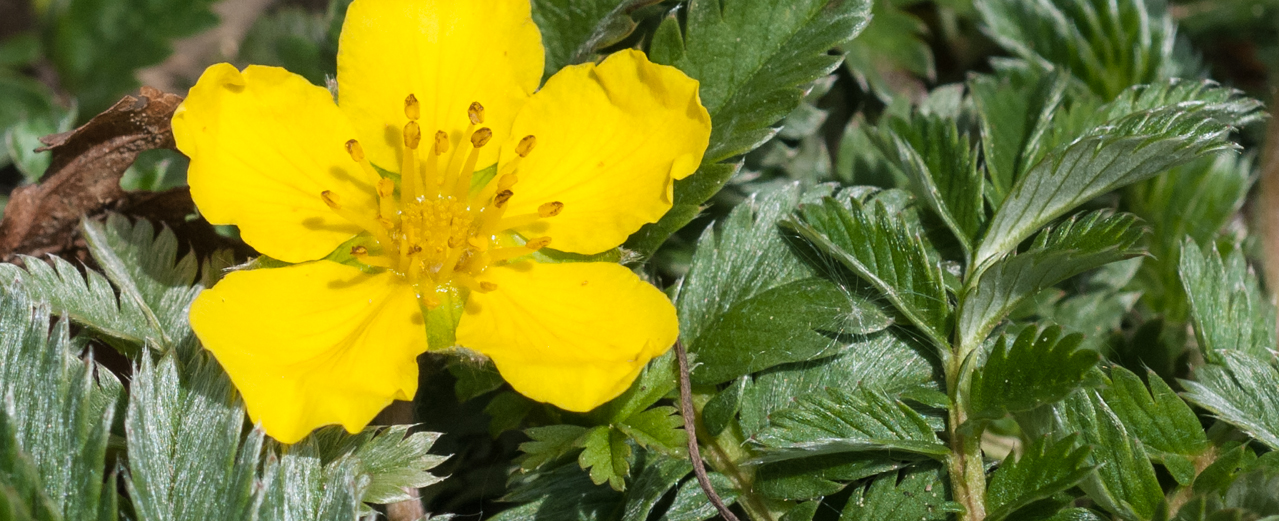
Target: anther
(502, 197)
(538, 243)
(488, 286)
(550, 209)
(441, 142)
(331, 199)
(357, 152)
(481, 137)
(385, 188)
(386, 223)
(526, 145)
(359, 251)
(412, 109)
(412, 135)
(476, 113)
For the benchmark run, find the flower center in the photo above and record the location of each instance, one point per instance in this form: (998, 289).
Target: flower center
(441, 230)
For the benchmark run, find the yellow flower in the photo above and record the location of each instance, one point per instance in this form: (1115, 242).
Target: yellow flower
(436, 91)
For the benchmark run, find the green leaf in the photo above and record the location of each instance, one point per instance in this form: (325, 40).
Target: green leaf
(562, 493)
(475, 376)
(97, 45)
(916, 494)
(59, 408)
(1124, 482)
(1242, 390)
(22, 493)
(1041, 366)
(576, 30)
(300, 486)
(1226, 303)
(1077, 245)
(745, 95)
(656, 476)
(186, 460)
(798, 321)
(894, 44)
(690, 500)
(1146, 131)
(867, 239)
(548, 444)
(1046, 468)
(942, 166)
(659, 429)
(819, 476)
(1014, 114)
(1109, 45)
(1159, 418)
(606, 453)
(1196, 201)
(838, 421)
(746, 258)
(657, 380)
(155, 287)
(722, 408)
(892, 361)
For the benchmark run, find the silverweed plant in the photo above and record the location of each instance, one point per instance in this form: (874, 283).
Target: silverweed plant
(638, 260)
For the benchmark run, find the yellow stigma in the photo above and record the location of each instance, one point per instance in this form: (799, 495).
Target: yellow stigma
(437, 230)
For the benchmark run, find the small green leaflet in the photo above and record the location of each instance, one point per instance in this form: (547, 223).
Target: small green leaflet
(1045, 468)
(870, 241)
(1108, 44)
(607, 455)
(943, 169)
(1015, 112)
(1039, 367)
(1146, 131)
(819, 476)
(1124, 482)
(1079, 244)
(1226, 303)
(186, 459)
(58, 411)
(915, 494)
(837, 421)
(1241, 390)
(574, 31)
(789, 48)
(1159, 418)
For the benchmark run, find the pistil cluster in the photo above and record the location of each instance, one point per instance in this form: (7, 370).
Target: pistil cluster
(439, 230)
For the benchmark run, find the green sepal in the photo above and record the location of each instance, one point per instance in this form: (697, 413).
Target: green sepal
(441, 322)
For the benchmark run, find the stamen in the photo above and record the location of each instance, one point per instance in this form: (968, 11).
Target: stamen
(526, 145)
(386, 201)
(476, 113)
(441, 142)
(334, 202)
(462, 187)
(412, 135)
(538, 243)
(488, 286)
(412, 109)
(409, 172)
(504, 254)
(357, 154)
(502, 197)
(359, 251)
(550, 209)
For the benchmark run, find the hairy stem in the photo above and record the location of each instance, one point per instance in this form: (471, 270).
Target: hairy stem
(964, 465)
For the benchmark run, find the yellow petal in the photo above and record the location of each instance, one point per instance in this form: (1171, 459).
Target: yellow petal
(574, 335)
(610, 139)
(263, 145)
(313, 344)
(448, 54)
